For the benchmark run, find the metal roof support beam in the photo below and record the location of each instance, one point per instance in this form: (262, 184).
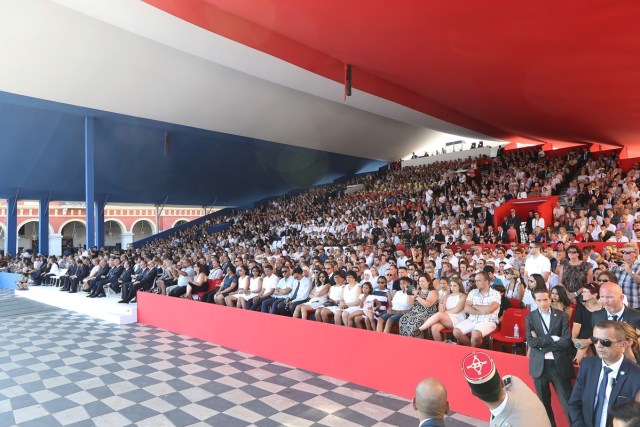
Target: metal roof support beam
(99, 206)
(159, 210)
(212, 206)
(89, 179)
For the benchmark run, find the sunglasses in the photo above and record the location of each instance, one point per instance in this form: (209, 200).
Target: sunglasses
(626, 252)
(604, 341)
(572, 252)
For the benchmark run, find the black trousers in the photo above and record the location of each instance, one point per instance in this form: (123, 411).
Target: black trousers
(127, 291)
(97, 288)
(209, 295)
(287, 309)
(560, 384)
(178, 291)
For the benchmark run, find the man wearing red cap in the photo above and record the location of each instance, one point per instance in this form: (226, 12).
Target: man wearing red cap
(511, 402)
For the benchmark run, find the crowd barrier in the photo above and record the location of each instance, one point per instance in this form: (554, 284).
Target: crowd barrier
(597, 246)
(390, 363)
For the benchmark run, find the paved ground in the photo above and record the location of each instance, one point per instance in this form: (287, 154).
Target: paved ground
(61, 368)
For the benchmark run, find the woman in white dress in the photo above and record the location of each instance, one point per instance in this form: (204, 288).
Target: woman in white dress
(514, 286)
(399, 306)
(350, 296)
(450, 311)
(255, 286)
(317, 297)
(357, 313)
(243, 286)
(325, 312)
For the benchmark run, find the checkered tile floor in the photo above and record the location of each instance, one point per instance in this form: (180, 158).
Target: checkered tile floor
(7, 293)
(62, 368)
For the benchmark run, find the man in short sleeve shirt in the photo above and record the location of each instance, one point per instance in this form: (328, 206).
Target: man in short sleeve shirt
(482, 306)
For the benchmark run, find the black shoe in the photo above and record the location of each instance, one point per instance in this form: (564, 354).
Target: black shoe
(91, 296)
(134, 300)
(63, 290)
(123, 302)
(73, 292)
(101, 296)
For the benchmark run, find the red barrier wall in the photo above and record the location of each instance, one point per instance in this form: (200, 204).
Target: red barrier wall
(626, 164)
(385, 362)
(543, 205)
(598, 246)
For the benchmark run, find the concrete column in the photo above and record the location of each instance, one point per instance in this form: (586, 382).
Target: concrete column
(89, 179)
(55, 244)
(11, 236)
(43, 228)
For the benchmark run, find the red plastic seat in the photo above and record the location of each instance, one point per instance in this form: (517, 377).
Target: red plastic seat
(512, 317)
(573, 315)
(212, 284)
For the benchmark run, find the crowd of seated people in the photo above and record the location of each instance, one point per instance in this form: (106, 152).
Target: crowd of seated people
(388, 258)
(372, 258)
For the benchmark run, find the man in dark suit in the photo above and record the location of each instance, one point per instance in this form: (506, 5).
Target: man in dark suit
(514, 220)
(590, 401)
(431, 402)
(614, 308)
(503, 237)
(81, 273)
(97, 290)
(548, 337)
(143, 282)
(71, 271)
(105, 266)
(125, 277)
(126, 286)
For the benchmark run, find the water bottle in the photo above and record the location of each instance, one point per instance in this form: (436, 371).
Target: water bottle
(516, 331)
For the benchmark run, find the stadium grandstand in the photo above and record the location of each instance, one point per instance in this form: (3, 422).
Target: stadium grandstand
(339, 203)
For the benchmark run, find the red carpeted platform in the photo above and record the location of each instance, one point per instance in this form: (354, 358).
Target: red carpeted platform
(389, 363)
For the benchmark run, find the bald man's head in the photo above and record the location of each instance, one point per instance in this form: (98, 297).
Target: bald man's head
(611, 297)
(431, 399)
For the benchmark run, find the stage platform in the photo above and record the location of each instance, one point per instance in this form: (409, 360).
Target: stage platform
(106, 309)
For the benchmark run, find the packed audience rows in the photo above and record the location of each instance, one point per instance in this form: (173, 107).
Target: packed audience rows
(387, 258)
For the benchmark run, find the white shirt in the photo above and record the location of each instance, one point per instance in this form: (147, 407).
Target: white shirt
(538, 222)
(615, 367)
(498, 410)
(303, 289)
(537, 264)
(477, 298)
(269, 282)
(546, 318)
(619, 314)
(624, 239)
